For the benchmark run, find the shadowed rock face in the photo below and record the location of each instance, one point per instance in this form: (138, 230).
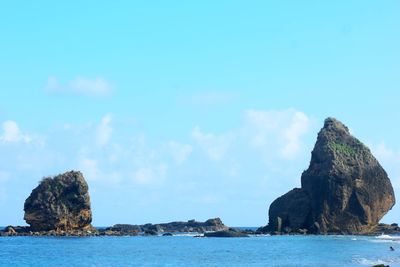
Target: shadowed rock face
(344, 189)
(59, 203)
(290, 211)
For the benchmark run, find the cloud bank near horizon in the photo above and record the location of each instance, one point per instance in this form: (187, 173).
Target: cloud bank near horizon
(206, 170)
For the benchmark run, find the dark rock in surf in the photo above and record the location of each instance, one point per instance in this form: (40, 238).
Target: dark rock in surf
(226, 233)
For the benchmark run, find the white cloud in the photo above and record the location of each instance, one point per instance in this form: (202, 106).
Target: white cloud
(179, 152)
(89, 168)
(92, 172)
(104, 131)
(298, 127)
(215, 146)
(382, 152)
(390, 160)
(80, 85)
(281, 130)
(12, 133)
(150, 175)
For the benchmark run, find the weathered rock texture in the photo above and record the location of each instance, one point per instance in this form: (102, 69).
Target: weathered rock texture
(344, 190)
(61, 203)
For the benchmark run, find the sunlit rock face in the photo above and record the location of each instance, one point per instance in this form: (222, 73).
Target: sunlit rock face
(344, 190)
(59, 203)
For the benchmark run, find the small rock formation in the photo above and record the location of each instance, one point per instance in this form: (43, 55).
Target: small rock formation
(344, 190)
(172, 227)
(226, 233)
(61, 203)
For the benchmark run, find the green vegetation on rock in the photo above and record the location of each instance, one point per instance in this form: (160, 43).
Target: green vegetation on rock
(343, 149)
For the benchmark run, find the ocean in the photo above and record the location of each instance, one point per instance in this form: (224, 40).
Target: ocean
(185, 250)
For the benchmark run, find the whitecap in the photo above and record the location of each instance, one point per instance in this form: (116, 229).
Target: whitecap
(383, 241)
(187, 234)
(388, 237)
(371, 262)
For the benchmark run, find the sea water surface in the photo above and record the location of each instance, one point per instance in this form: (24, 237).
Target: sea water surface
(185, 250)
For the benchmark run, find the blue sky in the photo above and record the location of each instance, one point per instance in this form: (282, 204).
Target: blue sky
(176, 110)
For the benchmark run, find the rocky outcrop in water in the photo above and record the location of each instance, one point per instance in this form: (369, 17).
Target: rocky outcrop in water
(190, 226)
(61, 203)
(165, 229)
(226, 233)
(344, 190)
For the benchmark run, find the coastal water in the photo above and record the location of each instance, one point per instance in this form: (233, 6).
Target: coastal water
(190, 251)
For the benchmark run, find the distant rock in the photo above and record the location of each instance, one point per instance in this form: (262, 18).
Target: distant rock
(172, 227)
(150, 232)
(386, 229)
(164, 229)
(61, 203)
(226, 233)
(125, 228)
(344, 190)
(167, 234)
(10, 231)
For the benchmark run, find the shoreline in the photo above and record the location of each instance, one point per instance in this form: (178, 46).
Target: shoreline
(232, 232)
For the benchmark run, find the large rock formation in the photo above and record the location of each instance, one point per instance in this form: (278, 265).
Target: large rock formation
(61, 203)
(344, 190)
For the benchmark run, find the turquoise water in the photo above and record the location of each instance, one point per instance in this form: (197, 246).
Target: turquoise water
(189, 251)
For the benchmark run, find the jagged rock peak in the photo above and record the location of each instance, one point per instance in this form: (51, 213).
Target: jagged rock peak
(59, 203)
(347, 189)
(335, 125)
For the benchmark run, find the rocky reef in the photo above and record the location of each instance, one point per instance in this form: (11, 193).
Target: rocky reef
(190, 226)
(165, 229)
(60, 206)
(345, 190)
(231, 232)
(59, 203)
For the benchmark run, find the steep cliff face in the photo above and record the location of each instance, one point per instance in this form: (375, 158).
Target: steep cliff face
(59, 203)
(345, 186)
